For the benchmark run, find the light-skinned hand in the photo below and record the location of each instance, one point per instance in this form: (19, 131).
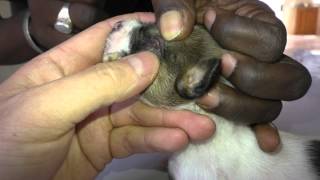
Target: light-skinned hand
(65, 115)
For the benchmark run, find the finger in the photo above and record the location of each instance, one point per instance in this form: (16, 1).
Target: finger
(267, 136)
(257, 10)
(249, 28)
(207, 18)
(176, 18)
(92, 132)
(71, 56)
(131, 140)
(73, 98)
(234, 105)
(197, 127)
(286, 80)
(261, 40)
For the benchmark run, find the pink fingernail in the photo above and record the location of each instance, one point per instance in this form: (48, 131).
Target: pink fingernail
(144, 63)
(137, 65)
(229, 63)
(210, 101)
(171, 24)
(209, 18)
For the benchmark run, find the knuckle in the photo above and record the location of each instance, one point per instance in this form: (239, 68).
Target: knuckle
(115, 75)
(147, 141)
(128, 145)
(121, 144)
(249, 78)
(108, 71)
(270, 37)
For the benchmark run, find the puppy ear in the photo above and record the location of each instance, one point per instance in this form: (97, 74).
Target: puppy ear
(197, 80)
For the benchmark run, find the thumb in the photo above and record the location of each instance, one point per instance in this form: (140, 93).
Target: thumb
(175, 18)
(73, 98)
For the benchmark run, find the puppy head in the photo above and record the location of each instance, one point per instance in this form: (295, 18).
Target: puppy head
(188, 68)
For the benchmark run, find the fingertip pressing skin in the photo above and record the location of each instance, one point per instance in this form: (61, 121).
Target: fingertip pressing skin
(166, 140)
(175, 140)
(206, 128)
(267, 137)
(144, 64)
(197, 127)
(132, 139)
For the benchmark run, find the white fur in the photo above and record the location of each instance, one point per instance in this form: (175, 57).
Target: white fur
(233, 154)
(119, 41)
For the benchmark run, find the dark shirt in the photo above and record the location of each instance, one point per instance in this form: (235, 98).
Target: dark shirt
(117, 7)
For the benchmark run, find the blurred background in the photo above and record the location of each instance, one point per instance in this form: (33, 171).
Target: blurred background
(302, 20)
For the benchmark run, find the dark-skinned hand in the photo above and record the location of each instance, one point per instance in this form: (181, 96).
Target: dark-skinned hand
(255, 64)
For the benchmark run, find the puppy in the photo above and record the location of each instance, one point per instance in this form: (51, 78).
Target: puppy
(188, 69)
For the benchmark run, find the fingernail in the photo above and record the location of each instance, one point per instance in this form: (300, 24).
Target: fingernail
(171, 25)
(137, 65)
(210, 101)
(206, 128)
(143, 63)
(229, 64)
(209, 19)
